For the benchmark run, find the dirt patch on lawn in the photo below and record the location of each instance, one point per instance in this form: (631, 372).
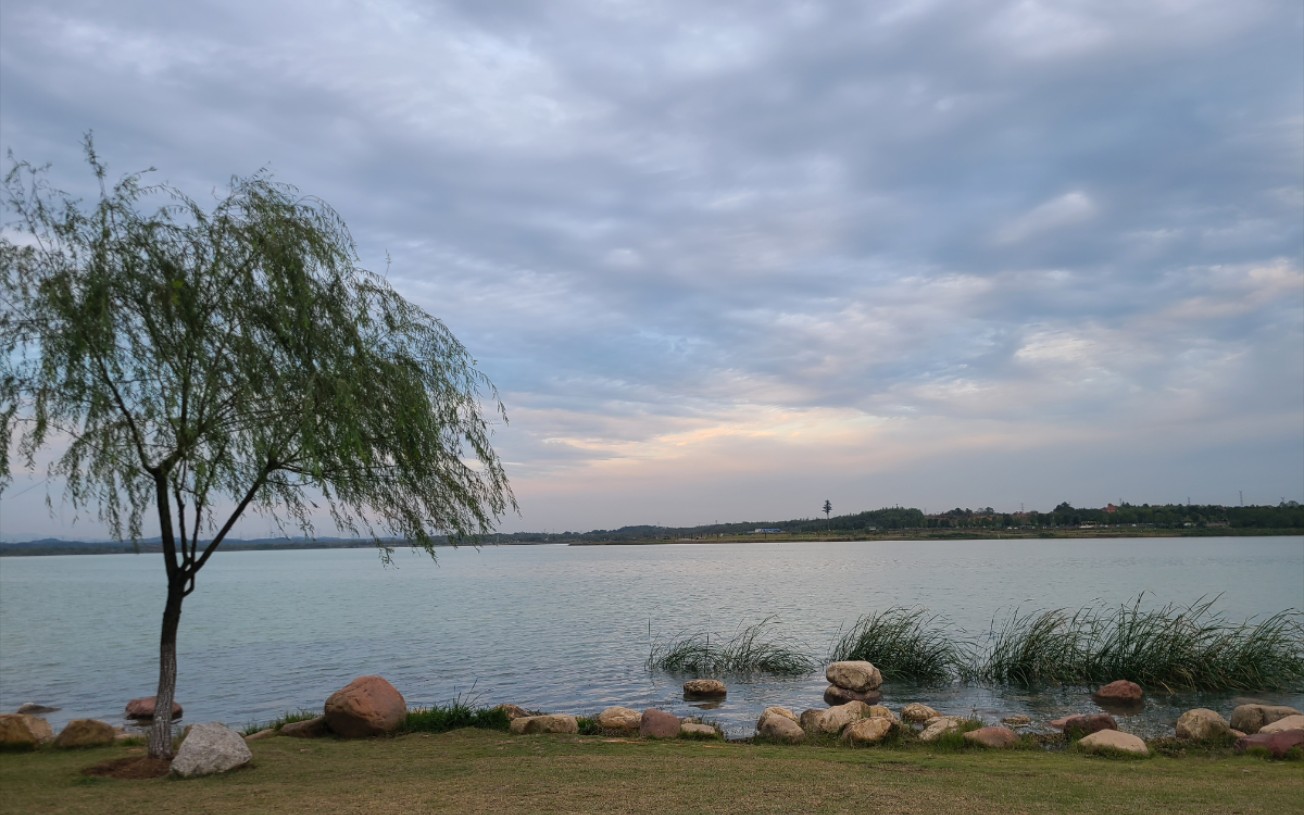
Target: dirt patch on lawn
(131, 768)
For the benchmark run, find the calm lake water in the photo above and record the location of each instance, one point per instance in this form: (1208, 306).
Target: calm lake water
(568, 629)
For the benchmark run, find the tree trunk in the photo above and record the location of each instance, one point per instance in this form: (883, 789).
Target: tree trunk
(160, 732)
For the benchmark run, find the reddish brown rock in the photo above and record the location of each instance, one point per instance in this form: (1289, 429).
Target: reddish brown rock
(658, 724)
(1075, 727)
(834, 695)
(1120, 692)
(86, 733)
(143, 708)
(367, 706)
(1277, 744)
(307, 729)
(994, 736)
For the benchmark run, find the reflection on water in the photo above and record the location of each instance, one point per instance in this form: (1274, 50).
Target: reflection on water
(568, 629)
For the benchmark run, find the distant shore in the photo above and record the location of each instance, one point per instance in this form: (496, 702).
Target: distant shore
(51, 547)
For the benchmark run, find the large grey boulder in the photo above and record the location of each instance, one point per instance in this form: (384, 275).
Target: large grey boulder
(209, 749)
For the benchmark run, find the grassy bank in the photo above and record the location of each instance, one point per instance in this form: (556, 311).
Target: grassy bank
(484, 771)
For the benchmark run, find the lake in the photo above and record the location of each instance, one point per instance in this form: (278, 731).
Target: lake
(568, 629)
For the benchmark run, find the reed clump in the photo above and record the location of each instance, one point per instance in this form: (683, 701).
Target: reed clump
(1171, 647)
(904, 643)
(754, 650)
(455, 715)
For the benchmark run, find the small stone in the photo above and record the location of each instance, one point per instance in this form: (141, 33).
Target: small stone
(916, 712)
(834, 695)
(1249, 718)
(864, 732)
(620, 719)
(779, 724)
(548, 723)
(1119, 692)
(1017, 720)
(696, 730)
(938, 727)
(143, 708)
(1104, 741)
(855, 675)
(85, 733)
(306, 729)
(1277, 744)
(1295, 722)
(32, 708)
(658, 724)
(1204, 725)
(19, 731)
(704, 689)
(1075, 727)
(994, 736)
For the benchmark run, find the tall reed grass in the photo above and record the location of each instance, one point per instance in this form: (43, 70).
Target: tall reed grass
(903, 643)
(1171, 647)
(752, 651)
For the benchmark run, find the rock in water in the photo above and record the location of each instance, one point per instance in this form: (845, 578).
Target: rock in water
(209, 749)
(1120, 693)
(367, 706)
(854, 675)
(143, 708)
(705, 689)
(833, 695)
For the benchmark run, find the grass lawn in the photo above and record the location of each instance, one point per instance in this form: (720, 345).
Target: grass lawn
(486, 771)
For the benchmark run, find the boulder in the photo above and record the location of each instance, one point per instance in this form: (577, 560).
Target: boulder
(1250, 718)
(832, 721)
(306, 729)
(940, 726)
(994, 736)
(697, 730)
(367, 706)
(705, 689)
(915, 712)
(779, 724)
(1105, 741)
(32, 708)
(882, 712)
(658, 724)
(620, 719)
(1277, 744)
(833, 695)
(864, 732)
(208, 749)
(18, 731)
(143, 708)
(1295, 722)
(809, 719)
(548, 723)
(1120, 692)
(86, 733)
(854, 675)
(513, 711)
(1075, 727)
(1203, 724)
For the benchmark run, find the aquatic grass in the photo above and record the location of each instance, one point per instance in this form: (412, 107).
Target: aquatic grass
(752, 651)
(1036, 648)
(460, 712)
(1172, 647)
(903, 643)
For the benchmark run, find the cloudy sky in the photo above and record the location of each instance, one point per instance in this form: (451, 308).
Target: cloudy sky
(727, 260)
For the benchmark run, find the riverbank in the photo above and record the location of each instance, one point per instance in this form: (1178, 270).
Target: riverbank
(1091, 533)
(469, 771)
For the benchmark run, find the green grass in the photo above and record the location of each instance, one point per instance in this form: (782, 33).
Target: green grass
(457, 714)
(903, 643)
(752, 651)
(473, 771)
(1170, 648)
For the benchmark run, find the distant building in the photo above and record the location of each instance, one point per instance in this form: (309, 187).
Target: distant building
(766, 530)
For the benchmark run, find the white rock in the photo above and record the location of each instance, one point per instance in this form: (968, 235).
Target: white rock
(210, 748)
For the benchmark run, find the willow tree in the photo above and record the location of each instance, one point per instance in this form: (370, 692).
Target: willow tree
(190, 365)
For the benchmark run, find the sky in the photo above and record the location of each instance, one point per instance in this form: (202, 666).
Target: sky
(725, 261)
